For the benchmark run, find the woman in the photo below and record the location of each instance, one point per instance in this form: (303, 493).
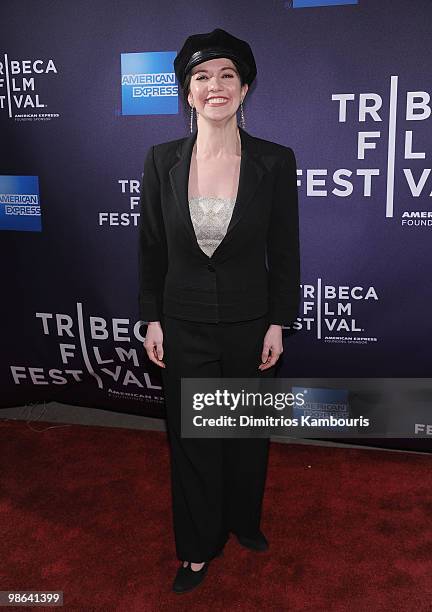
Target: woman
(219, 276)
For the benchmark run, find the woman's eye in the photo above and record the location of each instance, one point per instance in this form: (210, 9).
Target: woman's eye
(202, 76)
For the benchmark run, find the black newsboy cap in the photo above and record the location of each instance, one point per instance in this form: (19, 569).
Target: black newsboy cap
(199, 48)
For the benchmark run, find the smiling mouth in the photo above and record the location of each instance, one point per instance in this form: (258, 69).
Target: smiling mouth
(217, 101)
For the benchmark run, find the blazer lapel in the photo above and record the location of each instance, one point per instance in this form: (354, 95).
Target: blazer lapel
(251, 173)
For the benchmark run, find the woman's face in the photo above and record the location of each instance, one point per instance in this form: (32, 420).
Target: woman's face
(215, 89)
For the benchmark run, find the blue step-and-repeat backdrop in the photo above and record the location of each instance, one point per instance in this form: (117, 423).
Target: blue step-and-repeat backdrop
(87, 87)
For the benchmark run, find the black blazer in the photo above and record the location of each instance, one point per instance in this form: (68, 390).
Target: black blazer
(255, 269)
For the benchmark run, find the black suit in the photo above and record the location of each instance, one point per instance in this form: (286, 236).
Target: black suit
(254, 270)
(214, 313)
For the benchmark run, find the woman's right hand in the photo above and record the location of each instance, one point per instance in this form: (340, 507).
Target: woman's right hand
(153, 343)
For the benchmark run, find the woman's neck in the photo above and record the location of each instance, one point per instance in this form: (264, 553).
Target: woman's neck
(221, 141)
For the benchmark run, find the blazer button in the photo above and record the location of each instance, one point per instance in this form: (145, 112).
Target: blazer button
(210, 267)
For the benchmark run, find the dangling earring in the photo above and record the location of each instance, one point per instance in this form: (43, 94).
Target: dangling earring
(242, 121)
(191, 119)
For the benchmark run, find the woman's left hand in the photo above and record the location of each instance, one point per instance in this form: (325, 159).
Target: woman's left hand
(272, 347)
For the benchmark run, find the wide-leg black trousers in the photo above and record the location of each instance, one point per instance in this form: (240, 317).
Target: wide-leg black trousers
(217, 485)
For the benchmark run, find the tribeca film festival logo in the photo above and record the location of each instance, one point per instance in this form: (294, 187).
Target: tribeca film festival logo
(19, 95)
(423, 429)
(360, 107)
(20, 203)
(93, 346)
(148, 83)
(329, 312)
(130, 193)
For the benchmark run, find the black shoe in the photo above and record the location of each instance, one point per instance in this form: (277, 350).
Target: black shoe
(258, 543)
(187, 579)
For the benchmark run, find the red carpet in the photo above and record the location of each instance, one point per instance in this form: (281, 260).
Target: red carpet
(87, 510)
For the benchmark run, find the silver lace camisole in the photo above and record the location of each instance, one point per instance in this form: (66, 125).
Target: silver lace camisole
(210, 218)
